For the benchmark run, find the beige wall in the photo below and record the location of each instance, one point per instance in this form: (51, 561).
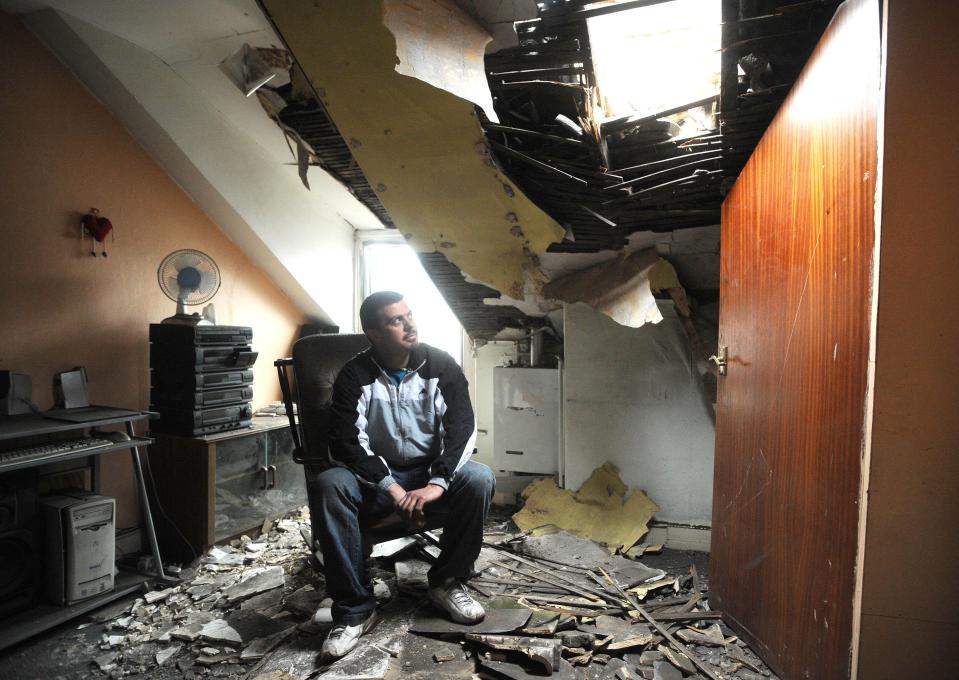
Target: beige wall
(61, 152)
(910, 626)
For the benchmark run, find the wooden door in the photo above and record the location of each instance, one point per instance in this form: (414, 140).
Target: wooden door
(797, 251)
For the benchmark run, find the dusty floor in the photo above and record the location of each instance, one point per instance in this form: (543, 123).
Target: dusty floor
(124, 638)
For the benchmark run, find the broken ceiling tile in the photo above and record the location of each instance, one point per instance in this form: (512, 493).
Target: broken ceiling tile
(665, 671)
(576, 638)
(637, 639)
(516, 672)
(260, 647)
(305, 601)
(255, 583)
(600, 510)
(165, 655)
(251, 625)
(543, 623)
(678, 659)
(411, 575)
(113, 610)
(190, 629)
(157, 595)
(381, 590)
(708, 636)
(106, 662)
(115, 640)
(366, 662)
(496, 621)
(643, 589)
(392, 547)
(545, 652)
(219, 630)
(271, 598)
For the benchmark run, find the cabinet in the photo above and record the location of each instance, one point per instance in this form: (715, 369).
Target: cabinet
(215, 487)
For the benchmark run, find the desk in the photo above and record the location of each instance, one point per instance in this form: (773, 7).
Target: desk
(32, 429)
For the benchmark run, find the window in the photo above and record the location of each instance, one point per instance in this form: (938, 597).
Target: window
(393, 265)
(655, 58)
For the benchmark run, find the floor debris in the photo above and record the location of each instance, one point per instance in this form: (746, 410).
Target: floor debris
(558, 605)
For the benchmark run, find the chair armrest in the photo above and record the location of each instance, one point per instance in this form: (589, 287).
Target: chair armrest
(282, 366)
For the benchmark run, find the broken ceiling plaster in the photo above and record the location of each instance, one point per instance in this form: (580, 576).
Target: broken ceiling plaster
(421, 147)
(622, 288)
(440, 44)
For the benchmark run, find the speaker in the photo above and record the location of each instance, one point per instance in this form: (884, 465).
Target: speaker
(20, 558)
(16, 392)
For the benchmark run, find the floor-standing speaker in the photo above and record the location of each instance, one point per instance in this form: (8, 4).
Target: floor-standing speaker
(20, 559)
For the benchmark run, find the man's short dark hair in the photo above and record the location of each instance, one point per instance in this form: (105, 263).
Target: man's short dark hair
(370, 309)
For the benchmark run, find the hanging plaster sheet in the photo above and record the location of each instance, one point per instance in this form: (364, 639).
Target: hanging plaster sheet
(441, 45)
(621, 289)
(420, 146)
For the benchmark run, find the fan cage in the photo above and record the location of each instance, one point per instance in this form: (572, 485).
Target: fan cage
(176, 261)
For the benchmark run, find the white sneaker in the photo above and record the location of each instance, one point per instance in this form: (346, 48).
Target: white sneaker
(341, 640)
(453, 599)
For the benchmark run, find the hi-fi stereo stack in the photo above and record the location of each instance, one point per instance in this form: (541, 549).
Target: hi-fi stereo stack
(201, 378)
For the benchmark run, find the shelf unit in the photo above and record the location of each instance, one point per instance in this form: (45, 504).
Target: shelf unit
(31, 429)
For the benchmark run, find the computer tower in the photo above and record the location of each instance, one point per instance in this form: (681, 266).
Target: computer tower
(80, 545)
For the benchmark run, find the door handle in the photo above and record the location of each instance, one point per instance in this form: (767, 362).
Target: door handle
(720, 359)
(272, 469)
(266, 477)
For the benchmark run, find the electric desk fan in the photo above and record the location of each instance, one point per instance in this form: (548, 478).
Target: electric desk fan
(188, 277)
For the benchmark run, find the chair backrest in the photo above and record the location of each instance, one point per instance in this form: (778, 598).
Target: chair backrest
(317, 360)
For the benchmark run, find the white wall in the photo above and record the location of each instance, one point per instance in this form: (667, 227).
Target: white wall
(632, 398)
(296, 237)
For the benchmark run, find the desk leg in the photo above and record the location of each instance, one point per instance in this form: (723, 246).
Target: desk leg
(145, 503)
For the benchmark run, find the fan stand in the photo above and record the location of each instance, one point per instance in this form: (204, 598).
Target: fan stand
(183, 318)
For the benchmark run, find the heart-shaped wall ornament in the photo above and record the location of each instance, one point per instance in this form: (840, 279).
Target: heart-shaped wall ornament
(102, 228)
(98, 227)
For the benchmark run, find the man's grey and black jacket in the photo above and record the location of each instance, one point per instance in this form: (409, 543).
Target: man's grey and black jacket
(425, 420)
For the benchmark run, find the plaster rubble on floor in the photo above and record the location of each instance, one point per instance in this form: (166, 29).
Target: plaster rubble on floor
(541, 595)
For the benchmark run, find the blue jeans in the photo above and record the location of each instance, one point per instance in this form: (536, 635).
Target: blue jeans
(342, 502)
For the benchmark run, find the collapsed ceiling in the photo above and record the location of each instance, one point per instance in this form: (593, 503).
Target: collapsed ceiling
(602, 180)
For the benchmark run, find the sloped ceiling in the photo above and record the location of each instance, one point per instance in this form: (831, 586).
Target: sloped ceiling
(154, 65)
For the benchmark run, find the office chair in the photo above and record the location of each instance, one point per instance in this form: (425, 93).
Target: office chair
(316, 361)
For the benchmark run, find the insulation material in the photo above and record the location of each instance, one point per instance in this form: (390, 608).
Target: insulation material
(421, 147)
(621, 289)
(441, 45)
(600, 510)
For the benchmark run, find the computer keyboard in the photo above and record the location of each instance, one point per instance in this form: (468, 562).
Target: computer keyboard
(53, 450)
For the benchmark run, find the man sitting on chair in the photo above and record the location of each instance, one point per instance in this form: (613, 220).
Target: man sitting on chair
(401, 434)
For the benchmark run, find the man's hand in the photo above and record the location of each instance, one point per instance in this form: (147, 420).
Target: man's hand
(397, 493)
(411, 506)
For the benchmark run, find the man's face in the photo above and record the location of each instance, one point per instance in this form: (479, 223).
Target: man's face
(397, 332)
